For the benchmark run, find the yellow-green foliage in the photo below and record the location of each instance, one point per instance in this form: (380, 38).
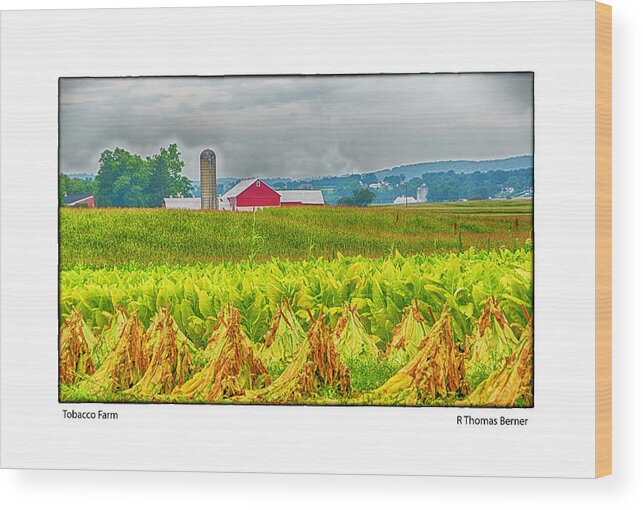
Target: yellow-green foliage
(233, 367)
(76, 344)
(158, 366)
(228, 315)
(407, 335)
(492, 340)
(511, 385)
(380, 289)
(435, 374)
(207, 326)
(351, 338)
(108, 338)
(171, 364)
(128, 360)
(283, 338)
(316, 369)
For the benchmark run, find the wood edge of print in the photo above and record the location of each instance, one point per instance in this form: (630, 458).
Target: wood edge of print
(603, 240)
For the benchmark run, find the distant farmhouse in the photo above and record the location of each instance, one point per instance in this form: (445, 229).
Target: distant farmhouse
(80, 200)
(247, 195)
(421, 196)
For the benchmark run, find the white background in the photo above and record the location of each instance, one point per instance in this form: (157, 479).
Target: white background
(165, 490)
(554, 40)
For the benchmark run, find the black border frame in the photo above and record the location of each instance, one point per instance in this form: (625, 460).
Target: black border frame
(301, 75)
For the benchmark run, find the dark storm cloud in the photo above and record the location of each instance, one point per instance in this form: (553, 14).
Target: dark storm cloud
(298, 126)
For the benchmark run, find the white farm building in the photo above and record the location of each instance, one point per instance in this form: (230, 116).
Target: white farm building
(182, 203)
(404, 200)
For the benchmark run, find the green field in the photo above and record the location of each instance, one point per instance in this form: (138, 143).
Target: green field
(421, 305)
(107, 237)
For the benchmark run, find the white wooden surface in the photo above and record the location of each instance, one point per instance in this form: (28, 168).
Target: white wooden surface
(554, 40)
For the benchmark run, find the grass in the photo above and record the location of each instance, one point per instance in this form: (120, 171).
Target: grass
(117, 237)
(366, 376)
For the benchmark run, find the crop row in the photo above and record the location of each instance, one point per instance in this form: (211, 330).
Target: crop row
(379, 289)
(107, 237)
(434, 364)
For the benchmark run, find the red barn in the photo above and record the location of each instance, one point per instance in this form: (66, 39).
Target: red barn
(250, 194)
(80, 200)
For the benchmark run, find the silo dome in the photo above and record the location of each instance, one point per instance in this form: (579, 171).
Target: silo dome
(208, 154)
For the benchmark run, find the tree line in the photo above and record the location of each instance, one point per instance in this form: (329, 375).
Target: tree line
(442, 186)
(452, 186)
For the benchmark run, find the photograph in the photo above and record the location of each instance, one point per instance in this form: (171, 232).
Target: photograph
(319, 240)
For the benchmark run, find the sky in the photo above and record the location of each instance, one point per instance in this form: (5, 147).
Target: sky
(298, 126)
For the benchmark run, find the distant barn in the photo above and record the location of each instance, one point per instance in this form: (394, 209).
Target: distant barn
(182, 203)
(80, 200)
(301, 197)
(253, 193)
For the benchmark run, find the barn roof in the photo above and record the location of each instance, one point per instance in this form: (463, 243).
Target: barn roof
(310, 197)
(240, 187)
(182, 203)
(72, 198)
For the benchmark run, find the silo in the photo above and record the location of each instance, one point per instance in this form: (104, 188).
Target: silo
(423, 193)
(208, 179)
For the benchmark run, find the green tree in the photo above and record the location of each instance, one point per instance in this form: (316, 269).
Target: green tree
(128, 180)
(165, 176)
(361, 198)
(120, 179)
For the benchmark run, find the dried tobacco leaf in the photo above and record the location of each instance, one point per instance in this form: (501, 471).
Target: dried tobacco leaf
(228, 314)
(107, 340)
(407, 335)
(492, 338)
(232, 369)
(283, 338)
(127, 362)
(316, 367)
(436, 372)
(76, 344)
(351, 338)
(172, 362)
(512, 385)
